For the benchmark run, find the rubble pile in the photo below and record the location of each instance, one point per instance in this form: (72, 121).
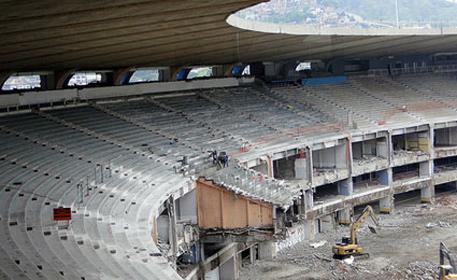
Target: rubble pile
(394, 255)
(415, 271)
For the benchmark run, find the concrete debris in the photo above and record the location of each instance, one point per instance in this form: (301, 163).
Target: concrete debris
(394, 254)
(440, 224)
(318, 244)
(349, 260)
(444, 224)
(250, 183)
(430, 225)
(416, 270)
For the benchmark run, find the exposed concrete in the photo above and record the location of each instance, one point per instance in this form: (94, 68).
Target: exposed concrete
(295, 234)
(428, 193)
(441, 152)
(328, 176)
(228, 270)
(368, 164)
(345, 187)
(344, 216)
(301, 169)
(443, 177)
(267, 250)
(386, 205)
(310, 229)
(406, 157)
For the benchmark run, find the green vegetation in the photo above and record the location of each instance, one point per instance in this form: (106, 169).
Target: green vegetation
(362, 13)
(410, 10)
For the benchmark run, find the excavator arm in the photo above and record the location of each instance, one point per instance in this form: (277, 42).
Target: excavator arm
(447, 271)
(367, 212)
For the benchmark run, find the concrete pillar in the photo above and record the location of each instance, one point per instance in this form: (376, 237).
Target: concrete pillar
(121, 76)
(428, 193)
(344, 216)
(270, 167)
(3, 77)
(267, 250)
(426, 169)
(345, 187)
(62, 78)
(386, 204)
(253, 254)
(310, 229)
(309, 164)
(47, 81)
(309, 199)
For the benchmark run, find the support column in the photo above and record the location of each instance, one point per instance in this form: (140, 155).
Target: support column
(428, 193)
(61, 78)
(310, 229)
(3, 77)
(309, 200)
(386, 204)
(122, 76)
(270, 167)
(267, 250)
(344, 216)
(346, 188)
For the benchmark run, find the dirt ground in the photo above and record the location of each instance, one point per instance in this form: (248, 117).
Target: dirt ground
(406, 246)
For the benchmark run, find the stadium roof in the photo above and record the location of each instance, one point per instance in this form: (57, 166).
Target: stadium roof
(50, 35)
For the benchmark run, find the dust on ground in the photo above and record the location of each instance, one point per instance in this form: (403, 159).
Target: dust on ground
(406, 246)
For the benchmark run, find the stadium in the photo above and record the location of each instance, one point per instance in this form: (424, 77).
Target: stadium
(147, 139)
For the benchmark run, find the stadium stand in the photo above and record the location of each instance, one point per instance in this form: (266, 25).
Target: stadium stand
(116, 162)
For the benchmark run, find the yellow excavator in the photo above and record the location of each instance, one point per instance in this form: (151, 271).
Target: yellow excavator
(447, 271)
(349, 245)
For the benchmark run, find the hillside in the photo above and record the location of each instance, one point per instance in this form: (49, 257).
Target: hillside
(361, 13)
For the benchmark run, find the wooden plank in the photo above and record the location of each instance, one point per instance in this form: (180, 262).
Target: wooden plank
(266, 214)
(220, 208)
(234, 211)
(210, 207)
(255, 219)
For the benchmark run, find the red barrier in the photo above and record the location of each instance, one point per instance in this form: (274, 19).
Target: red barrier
(62, 214)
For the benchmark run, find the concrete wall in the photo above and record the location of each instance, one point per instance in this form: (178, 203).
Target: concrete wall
(163, 228)
(325, 158)
(227, 270)
(187, 207)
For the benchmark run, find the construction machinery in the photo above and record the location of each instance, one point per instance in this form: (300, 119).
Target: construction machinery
(447, 271)
(349, 245)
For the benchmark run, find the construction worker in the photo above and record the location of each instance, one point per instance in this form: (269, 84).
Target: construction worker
(214, 155)
(226, 160)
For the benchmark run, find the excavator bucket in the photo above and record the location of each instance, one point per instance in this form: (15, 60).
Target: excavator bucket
(372, 229)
